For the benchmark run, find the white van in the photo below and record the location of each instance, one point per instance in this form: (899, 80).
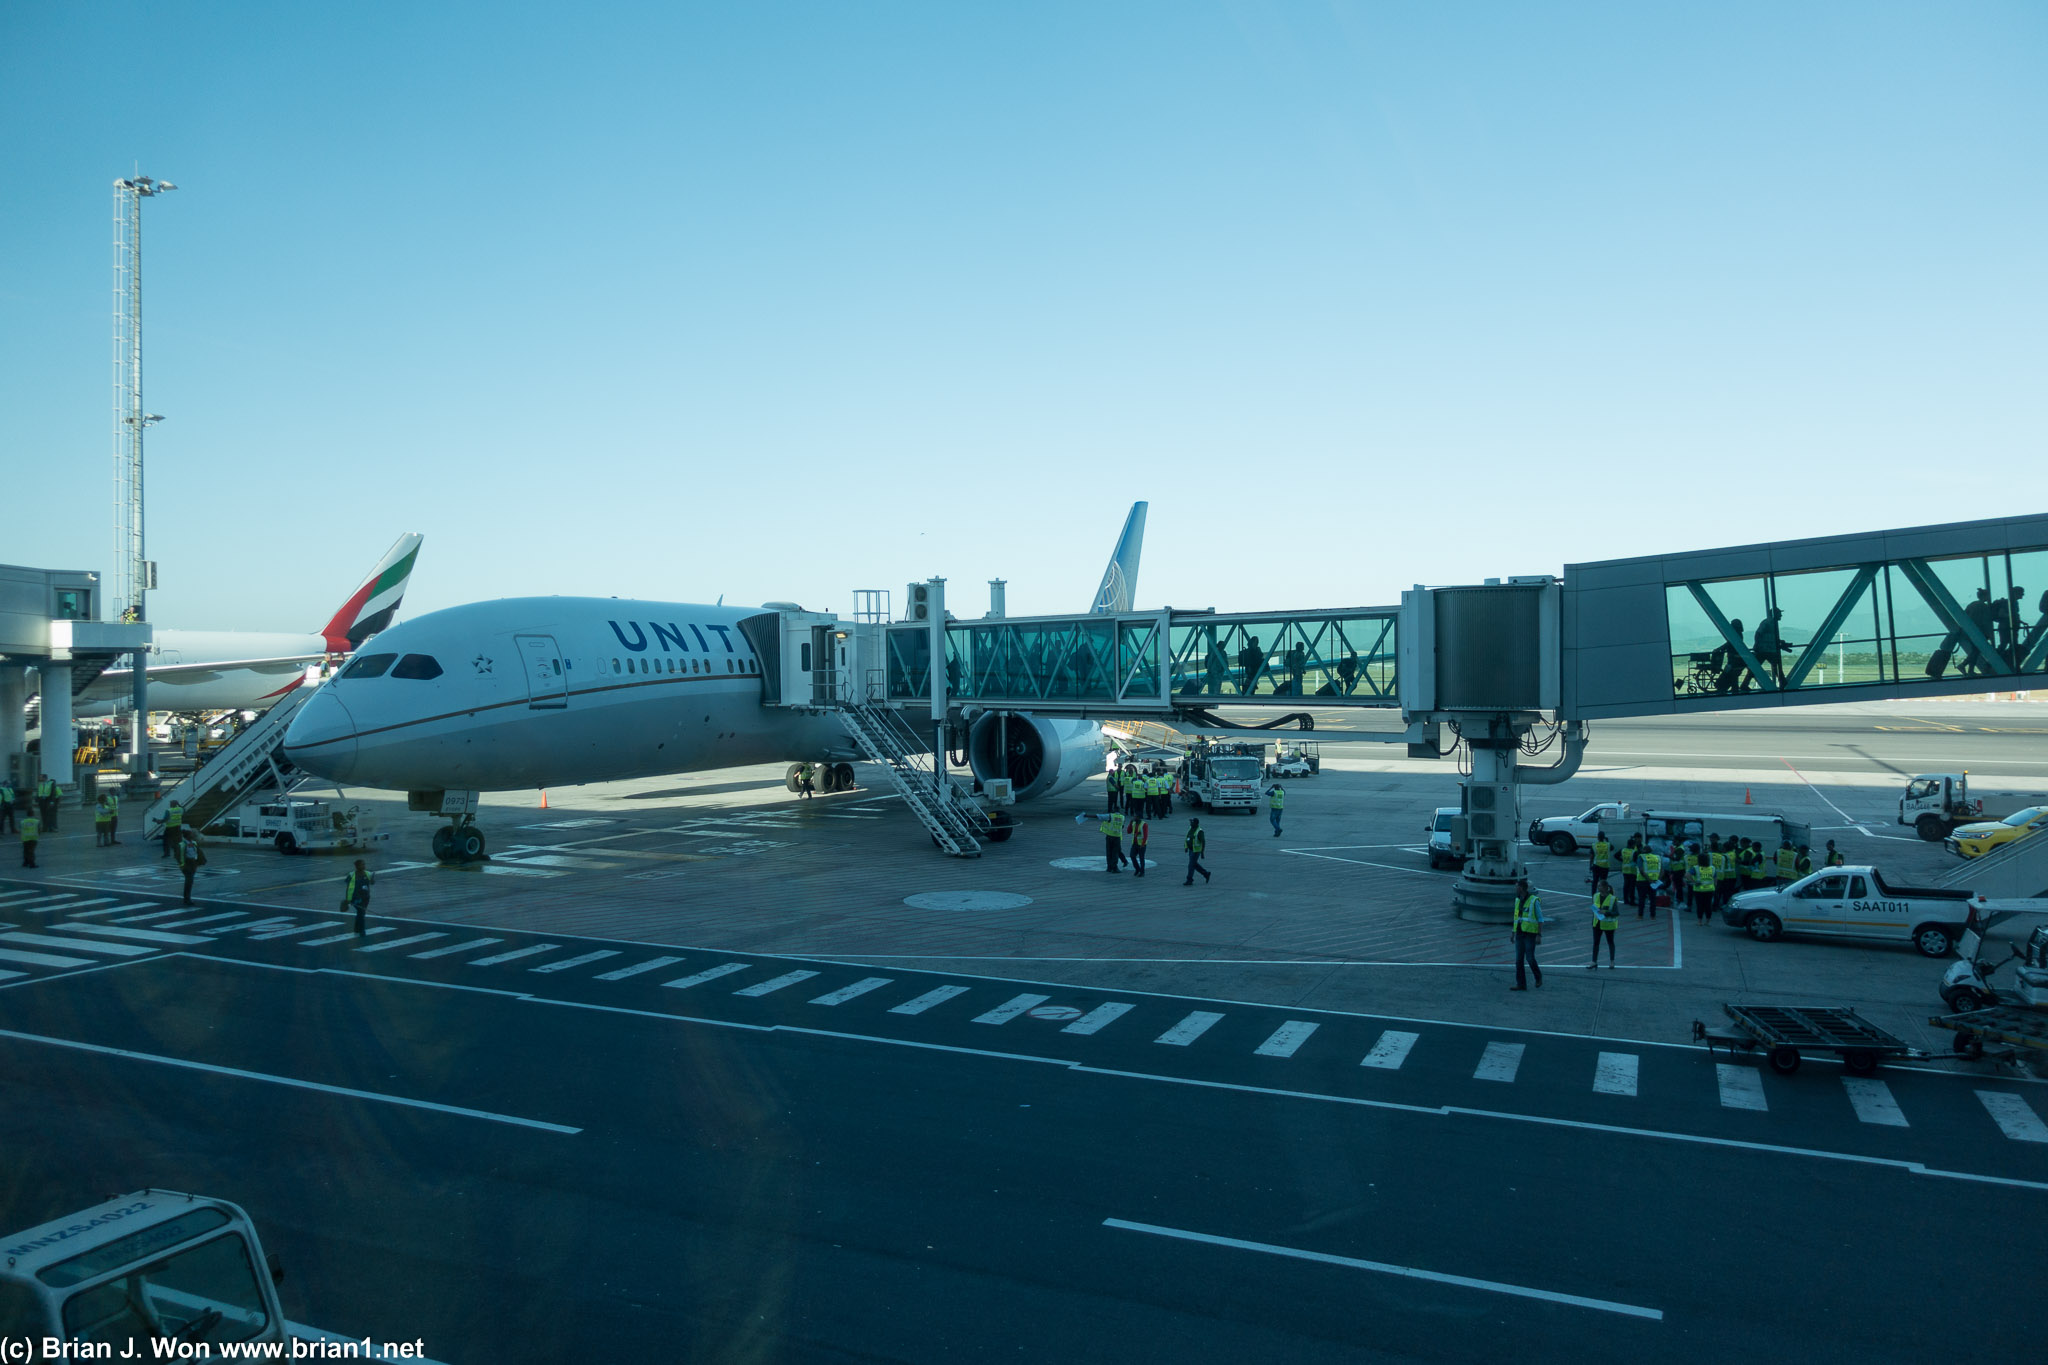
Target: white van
(1443, 851)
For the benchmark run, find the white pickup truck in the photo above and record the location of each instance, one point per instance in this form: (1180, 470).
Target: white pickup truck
(1563, 834)
(1857, 902)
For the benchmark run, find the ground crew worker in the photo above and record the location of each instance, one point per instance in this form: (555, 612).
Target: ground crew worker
(174, 826)
(1112, 828)
(6, 805)
(355, 893)
(47, 797)
(1787, 860)
(1603, 858)
(806, 781)
(102, 820)
(31, 830)
(1196, 841)
(1803, 864)
(1703, 884)
(1730, 878)
(1653, 868)
(190, 858)
(1140, 831)
(1605, 921)
(1276, 801)
(1630, 852)
(112, 801)
(1834, 857)
(1165, 792)
(1527, 932)
(1157, 785)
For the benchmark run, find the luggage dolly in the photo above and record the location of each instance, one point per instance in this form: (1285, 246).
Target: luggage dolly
(2013, 1029)
(1786, 1032)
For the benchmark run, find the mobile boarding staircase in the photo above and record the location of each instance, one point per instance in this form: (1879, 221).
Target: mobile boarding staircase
(2015, 871)
(251, 762)
(956, 823)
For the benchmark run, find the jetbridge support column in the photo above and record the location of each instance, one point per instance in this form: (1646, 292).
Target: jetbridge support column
(1485, 889)
(54, 681)
(13, 728)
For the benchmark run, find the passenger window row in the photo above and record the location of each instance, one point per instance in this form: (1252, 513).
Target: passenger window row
(675, 666)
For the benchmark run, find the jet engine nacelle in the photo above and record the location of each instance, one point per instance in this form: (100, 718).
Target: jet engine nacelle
(1041, 757)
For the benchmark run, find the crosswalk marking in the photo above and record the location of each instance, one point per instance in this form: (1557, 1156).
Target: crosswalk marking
(564, 965)
(2014, 1117)
(1391, 1050)
(287, 933)
(391, 943)
(513, 956)
(1873, 1101)
(6, 896)
(649, 965)
(6, 975)
(155, 914)
(1286, 1039)
(206, 919)
(346, 934)
(846, 993)
(683, 983)
(115, 910)
(1095, 1020)
(932, 997)
(1187, 1030)
(41, 959)
(64, 906)
(1499, 1062)
(1011, 1008)
(1615, 1074)
(1741, 1087)
(77, 945)
(458, 947)
(132, 935)
(253, 926)
(761, 988)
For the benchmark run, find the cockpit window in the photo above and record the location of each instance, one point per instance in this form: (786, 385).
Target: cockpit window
(419, 666)
(366, 666)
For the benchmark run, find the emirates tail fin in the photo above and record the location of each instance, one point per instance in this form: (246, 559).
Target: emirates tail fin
(370, 607)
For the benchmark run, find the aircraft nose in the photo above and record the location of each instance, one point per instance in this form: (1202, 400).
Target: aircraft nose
(322, 738)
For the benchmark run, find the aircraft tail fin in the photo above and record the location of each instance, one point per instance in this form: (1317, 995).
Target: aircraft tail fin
(370, 607)
(1120, 579)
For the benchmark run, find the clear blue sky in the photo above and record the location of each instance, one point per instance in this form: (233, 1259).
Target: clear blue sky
(780, 300)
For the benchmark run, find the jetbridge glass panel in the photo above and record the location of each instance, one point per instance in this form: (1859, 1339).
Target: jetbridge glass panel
(1910, 620)
(1280, 657)
(1073, 659)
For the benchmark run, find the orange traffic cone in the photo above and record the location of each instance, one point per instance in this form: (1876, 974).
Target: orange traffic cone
(543, 798)
(1745, 798)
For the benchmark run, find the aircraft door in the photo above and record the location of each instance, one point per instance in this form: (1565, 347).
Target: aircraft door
(547, 686)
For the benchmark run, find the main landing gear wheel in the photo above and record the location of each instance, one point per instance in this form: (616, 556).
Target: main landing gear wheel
(469, 843)
(790, 778)
(444, 844)
(842, 777)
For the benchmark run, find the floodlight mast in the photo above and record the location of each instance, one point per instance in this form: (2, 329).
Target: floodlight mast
(133, 576)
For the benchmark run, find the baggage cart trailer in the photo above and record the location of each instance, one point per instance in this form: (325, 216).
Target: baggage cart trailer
(1785, 1033)
(2014, 1030)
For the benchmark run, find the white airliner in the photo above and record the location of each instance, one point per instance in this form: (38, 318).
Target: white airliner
(533, 692)
(221, 670)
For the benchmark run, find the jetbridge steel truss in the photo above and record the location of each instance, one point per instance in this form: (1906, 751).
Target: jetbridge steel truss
(1155, 661)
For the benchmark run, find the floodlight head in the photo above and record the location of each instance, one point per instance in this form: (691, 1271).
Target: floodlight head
(166, 185)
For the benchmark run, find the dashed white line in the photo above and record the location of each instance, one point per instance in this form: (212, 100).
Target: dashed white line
(1391, 1050)
(1873, 1102)
(253, 926)
(1187, 1030)
(1286, 1039)
(406, 942)
(337, 938)
(2014, 1117)
(1099, 1018)
(932, 997)
(457, 948)
(1615, 1073)
(206, 919)
(514, 955)
(649, 965)
(1741, 1087)
(598, 956)
(1499, 1062)
(761, 988)
(846, 993)
(155, 914)
(683, 983)
(1011, 1008)
(288, 933)
(116, 910)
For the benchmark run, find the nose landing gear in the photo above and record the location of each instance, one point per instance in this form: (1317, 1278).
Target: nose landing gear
(459, 841)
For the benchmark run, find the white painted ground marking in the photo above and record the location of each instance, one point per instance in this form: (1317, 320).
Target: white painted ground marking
(1010, 1009)
(512, 870)
(1286, 1039)
(21, 895)
(513, 956)
(683, 983)
(144, 919)
(1187, 1030)
(932, 997)
(1615, 1074)
(116, 910)
(1873, 1101)
(1741, 1087)
(1383, 1268)
(408, 940)
(302, 929)
(285, 1080)
(41, 959)
(253, 926)
(5, 975)
(206, 919)
(69, 904)
(649, 965)
(336, 938)
(132, 935)
(2014, 1117)
(598, 956)
(458, 947)
(1499, 1062)
(761, 988)
(1095, 1020)
(1391, 1050)
(846, 993)
(76, 945)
